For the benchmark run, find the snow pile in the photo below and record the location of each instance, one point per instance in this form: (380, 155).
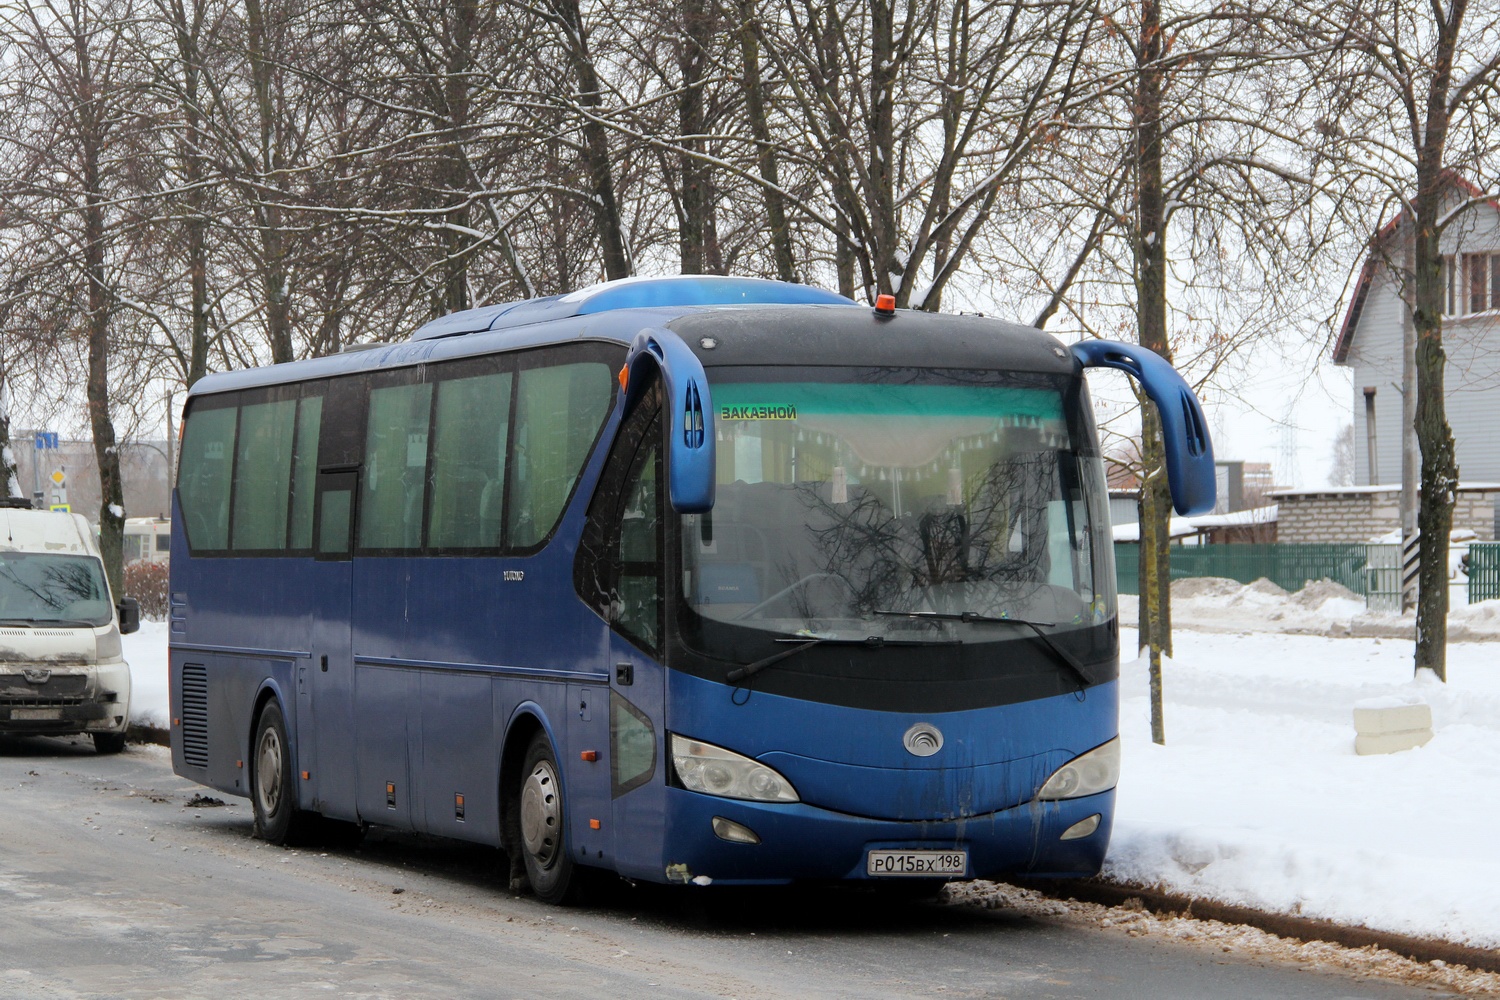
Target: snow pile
(1258, 798)
(1321, 607)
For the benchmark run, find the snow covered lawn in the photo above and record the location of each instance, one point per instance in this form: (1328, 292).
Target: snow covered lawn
(1258, 797)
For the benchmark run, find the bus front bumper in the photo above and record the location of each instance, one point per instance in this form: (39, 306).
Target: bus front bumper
(797, 841)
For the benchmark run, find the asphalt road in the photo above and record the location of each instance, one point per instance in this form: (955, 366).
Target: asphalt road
(113, 884)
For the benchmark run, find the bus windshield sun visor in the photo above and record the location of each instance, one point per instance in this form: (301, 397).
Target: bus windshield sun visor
(691, 471)
(1190, 454)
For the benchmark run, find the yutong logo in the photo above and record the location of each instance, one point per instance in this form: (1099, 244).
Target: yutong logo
(513, 575)
(923, 740)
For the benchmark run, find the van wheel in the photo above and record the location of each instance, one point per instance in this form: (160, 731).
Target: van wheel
(272, 791)
(543, 844)
(109, 742)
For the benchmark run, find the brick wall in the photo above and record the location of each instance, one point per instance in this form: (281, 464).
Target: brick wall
(1304, 518)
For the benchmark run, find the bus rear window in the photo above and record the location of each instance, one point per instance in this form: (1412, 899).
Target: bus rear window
(203, 482)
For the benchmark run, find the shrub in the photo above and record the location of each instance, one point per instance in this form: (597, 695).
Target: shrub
(147, 583)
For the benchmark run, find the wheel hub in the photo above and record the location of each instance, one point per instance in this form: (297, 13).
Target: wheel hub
(268, 772)
(541, 814)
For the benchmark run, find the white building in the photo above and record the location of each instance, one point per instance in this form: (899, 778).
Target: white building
(1370, 342)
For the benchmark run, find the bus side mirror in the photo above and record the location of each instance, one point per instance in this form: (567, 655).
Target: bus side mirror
(690, 457)
(130, 615)
(1190, 454)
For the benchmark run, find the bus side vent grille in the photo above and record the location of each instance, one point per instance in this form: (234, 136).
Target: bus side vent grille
(195, 714)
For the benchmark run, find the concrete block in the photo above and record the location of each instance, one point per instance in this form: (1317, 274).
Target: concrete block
(1390, 725)
(1373, 720)
(1390, 742)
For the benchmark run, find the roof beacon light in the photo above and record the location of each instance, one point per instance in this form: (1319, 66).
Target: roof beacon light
(885, 305)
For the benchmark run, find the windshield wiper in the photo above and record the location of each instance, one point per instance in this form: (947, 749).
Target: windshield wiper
(28, 622)
(1064, 657)
(807, 642)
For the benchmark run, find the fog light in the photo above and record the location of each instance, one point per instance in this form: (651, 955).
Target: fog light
(1081, 829)
(735, 833)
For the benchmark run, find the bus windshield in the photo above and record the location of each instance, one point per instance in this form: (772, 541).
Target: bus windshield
(915, 512)
(39, 589)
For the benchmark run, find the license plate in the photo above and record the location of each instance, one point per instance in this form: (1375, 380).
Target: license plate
(36, 713)
(916, 864)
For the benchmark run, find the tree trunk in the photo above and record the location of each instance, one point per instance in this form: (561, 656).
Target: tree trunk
(1434, 438)
(845, 258)
(765, 151)
(1151, 311)
(106, 452)
(456, 97)
(882, 194)
(696, 206)
(273, 264)
(194, 174)
(606, 206)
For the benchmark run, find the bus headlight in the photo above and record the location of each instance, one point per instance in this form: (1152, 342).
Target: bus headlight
(703, 767)
(1087, 774)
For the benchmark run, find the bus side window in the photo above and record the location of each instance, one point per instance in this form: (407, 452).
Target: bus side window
(395, 467)
(335, 505)
(559, 409)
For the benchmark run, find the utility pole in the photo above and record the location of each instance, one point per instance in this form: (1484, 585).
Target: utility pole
(1411, 461)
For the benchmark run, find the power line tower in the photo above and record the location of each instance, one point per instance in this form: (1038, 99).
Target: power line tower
(1289, 471)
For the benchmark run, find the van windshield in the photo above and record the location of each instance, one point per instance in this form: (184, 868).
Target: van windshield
(46, 589)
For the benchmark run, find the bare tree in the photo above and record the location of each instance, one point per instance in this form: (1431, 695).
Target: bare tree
(74, 177)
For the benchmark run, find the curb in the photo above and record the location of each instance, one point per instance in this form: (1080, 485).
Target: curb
(1285, 925)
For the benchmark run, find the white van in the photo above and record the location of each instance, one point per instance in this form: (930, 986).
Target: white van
(61, 669)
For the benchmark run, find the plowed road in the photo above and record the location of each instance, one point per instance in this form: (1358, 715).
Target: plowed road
(112, 885)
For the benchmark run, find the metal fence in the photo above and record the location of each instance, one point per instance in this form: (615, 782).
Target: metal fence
(1372, 570)
(1287, 566)
(1383, 578)
(1484, 571)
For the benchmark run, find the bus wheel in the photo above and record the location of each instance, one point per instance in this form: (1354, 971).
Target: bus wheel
(109, 742)
(272, 792)
(548, 867)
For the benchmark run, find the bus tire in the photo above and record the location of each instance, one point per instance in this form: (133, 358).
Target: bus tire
(543, 846)
(272, 790)
(109, 742)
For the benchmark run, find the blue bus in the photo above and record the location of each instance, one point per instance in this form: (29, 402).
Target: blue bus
(697, 580)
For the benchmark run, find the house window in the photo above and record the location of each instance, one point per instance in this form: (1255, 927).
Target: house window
(1471, 283)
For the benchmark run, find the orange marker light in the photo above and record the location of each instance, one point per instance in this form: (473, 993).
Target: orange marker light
(306, 775)
(885, 305)
(624, 376)
(589, 755)
(594, 824)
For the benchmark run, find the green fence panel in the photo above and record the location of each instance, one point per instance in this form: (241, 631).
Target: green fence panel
(1287, 566)
(1484, 571)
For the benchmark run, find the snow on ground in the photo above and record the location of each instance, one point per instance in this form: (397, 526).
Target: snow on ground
(146, 652)
(1258, 798)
